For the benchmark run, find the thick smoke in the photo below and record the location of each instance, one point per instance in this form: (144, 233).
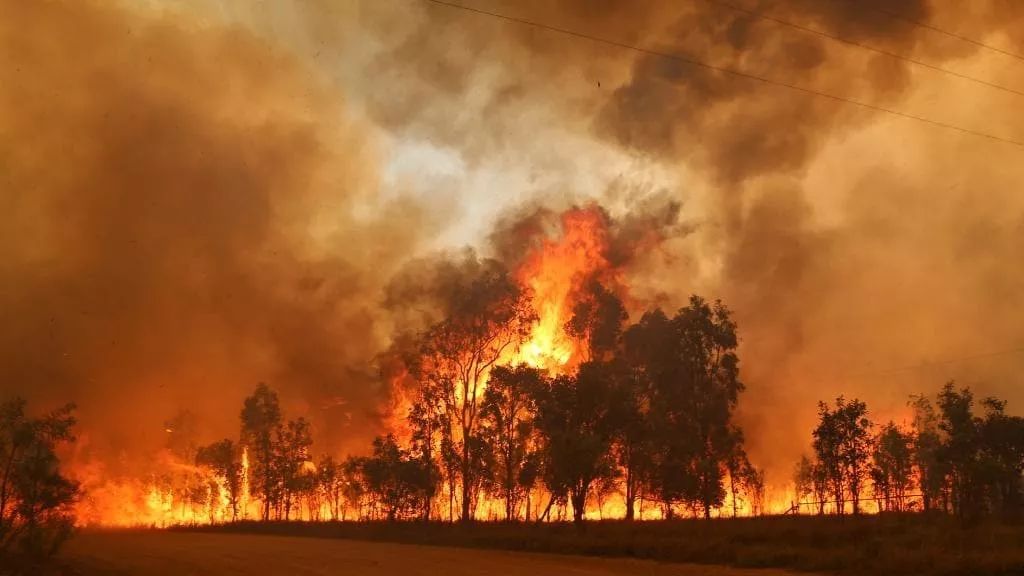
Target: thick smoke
(852, 244)
(179, 221)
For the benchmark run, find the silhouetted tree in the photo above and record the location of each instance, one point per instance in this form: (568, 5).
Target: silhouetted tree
(426, 419)
(574, 422)
(1002, 456)
(842, 445)
(805, 482)
(331, 485)
(691, 364)
(856, 446)
(752, 480)
(35, 498)
(744, 478)
(507, 422)
(596, 321)
(292, 462)
(354, 484)
(929, 465)
(828, 453)
(261, 422)
(892, 473)
(224, 458)
(960, 449)
(394, 479)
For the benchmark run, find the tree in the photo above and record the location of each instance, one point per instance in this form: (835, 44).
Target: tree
(804, 481)
(507, 422)
(261, 422)
(632, 433)
(650, 356)
(743, 477)
(828, 453)
(224, 458)
(892, 473)
(710, 375)
(960, 449)
(490, 315)
(292, 462)
(596, 321)
(754, 486)
(394, 479)
(856, 445)
(353, 484)
(428, 435)
(35, 498)
(842, 445)
(1002, 457)
(331, 485)
(574, 422)
(929, 465)
(689, 365)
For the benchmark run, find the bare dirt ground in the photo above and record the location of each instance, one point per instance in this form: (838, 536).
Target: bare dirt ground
(183, 554)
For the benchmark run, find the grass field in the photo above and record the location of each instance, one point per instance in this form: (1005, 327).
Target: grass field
(165, 553)
(870, 545)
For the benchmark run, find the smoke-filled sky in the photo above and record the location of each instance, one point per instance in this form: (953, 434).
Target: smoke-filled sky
(198, 195)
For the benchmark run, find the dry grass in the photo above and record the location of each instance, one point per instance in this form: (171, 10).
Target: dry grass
(887, 544)
(162, 553)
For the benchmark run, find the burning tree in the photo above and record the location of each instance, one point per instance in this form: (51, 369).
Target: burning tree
(490, 316)
(224, 459)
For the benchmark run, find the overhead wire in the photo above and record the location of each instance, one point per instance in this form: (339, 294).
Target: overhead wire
(828, 35)
(726, 70)
(926, 26)
(747, 75)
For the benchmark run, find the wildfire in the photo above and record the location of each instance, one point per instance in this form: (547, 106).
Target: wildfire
(555, 272)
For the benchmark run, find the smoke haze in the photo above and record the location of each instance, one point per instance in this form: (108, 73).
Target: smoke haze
(206, 195)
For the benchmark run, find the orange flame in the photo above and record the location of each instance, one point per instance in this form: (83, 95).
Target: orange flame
(555, 273)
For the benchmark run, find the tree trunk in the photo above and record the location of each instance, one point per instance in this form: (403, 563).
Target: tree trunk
(547, 510)
(630, 494)
(466, 480)
(509, 487)
(579, 503)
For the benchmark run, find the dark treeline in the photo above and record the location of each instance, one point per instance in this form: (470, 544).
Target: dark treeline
(35, 497)
(647, 414)
(951, 459)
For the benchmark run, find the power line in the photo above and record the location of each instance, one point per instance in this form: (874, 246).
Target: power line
(830, 36)
(730, 71)
(926, 26)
